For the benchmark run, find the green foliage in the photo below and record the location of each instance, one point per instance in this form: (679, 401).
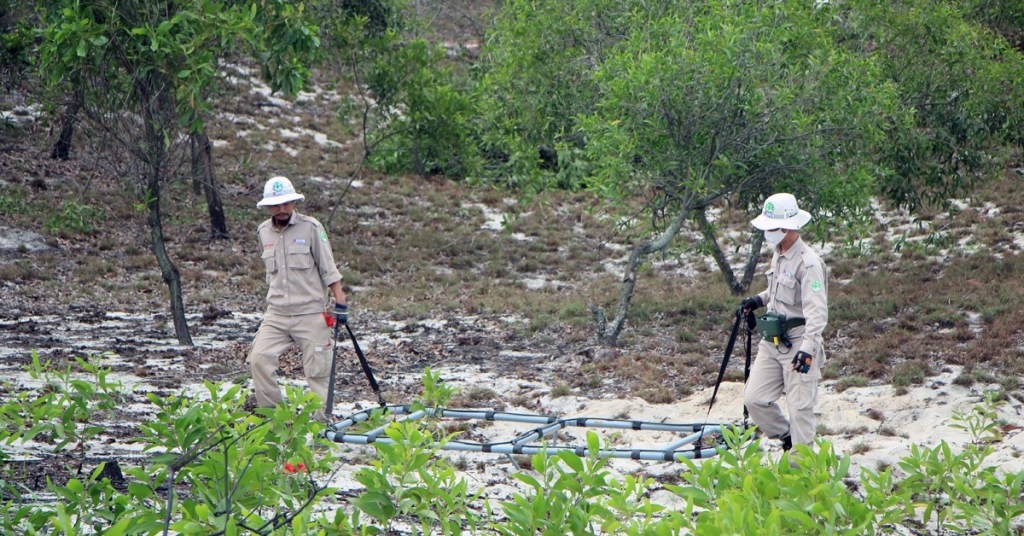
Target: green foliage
(59, 413)
(16, 42)
(957, 81)
(247, 473)
(173, 49)
(955, 490)
(410, 481)
(578, 495)
(737, 100)
(14, 201)
(823, 101)
(425, 115)
(74, 219)
(535, 79)
(242, 471)
(416, 113)
(807, 492)
(436, 393)
(1007, 18)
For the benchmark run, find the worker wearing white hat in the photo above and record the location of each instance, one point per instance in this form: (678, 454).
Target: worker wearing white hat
(791, 352)
(300, 270)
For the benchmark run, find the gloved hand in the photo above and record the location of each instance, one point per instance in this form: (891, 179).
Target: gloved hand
(802, 362)
(751, 304)
(341, 313)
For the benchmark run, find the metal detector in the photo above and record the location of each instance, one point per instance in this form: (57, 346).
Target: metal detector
(362, 363)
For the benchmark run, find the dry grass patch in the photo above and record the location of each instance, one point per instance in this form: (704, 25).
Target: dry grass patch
(22, 270)
(653, 376)
(847, 382)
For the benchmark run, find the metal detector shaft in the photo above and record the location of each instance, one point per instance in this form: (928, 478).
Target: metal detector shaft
(366, 367)
(740, 317)
(329, 406)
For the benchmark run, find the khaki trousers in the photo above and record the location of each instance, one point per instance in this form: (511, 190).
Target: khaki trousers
(276, 334)
(771, 376)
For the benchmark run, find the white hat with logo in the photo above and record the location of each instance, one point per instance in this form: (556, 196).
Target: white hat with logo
(781, 212)
(278, 191)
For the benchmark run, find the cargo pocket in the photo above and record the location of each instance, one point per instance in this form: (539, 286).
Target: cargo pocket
(318, 364)
(813, 375)
(786, 292)
(299, 257)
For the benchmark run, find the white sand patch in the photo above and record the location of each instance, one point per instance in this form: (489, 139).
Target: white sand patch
(20, 115)
(12, 239)
(496, 221)
(271, 99)
(540, 283)
(236, 119)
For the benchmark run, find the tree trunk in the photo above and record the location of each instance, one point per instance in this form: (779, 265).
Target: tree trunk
(736, 287)
(156, 154)
(168, 270)
(62, 147)
(202, 173)
(608, 333)
(750, 269)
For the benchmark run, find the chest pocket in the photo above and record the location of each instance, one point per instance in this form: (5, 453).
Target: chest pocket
(269, 261)
(299, 257)
(787, 290)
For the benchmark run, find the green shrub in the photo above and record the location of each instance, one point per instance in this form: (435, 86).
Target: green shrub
(74, 218)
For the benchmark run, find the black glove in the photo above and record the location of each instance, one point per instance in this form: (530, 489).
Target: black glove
(341, 313)
(751, 304)
(802, 362)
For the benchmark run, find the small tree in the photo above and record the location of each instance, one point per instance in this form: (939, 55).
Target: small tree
(694, 106)
(16, 22)
(725, 100)
(146, 69)
(413, 112)
(960, 82)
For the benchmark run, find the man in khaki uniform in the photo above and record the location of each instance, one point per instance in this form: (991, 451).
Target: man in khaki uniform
(789, 363)
(300, 269)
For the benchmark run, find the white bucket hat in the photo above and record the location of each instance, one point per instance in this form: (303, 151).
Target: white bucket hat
(781, 212)
(278, 191)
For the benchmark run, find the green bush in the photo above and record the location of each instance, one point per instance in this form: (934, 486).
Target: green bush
(73, 219)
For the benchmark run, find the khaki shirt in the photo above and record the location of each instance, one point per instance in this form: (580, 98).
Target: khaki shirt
(299, 263)
(798, 287)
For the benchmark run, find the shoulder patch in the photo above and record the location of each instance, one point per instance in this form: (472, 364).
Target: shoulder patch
(816, 286)
(323, 235)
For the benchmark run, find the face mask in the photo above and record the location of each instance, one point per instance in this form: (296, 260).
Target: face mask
(774, 237)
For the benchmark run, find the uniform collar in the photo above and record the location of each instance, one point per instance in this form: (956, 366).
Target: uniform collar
(796, 248)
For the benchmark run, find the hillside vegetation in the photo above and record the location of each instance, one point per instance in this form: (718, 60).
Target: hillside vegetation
(493, 185)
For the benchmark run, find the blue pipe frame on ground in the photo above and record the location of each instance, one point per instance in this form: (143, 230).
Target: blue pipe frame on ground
(691, 446)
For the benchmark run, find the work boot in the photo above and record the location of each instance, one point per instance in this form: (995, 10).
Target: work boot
(787, 442)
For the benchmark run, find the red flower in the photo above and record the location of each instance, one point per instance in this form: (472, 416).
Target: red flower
(289, 468)
(301, 467)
